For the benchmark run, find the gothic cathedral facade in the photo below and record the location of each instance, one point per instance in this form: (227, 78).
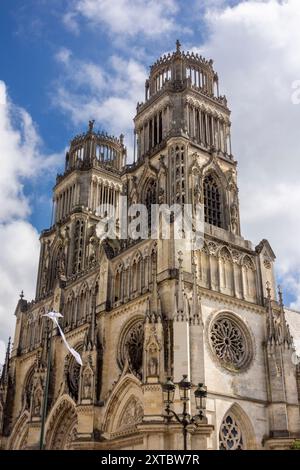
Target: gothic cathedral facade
(141, 310)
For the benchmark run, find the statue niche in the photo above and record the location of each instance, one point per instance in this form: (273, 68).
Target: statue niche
(60, 264)
(152, 363)
(37, 403)
(234, 216)
(152, 355)
(87, 384)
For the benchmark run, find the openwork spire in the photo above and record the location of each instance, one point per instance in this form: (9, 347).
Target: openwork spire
(286, 335)
(90, 341)
(277, 328)
(270, 318)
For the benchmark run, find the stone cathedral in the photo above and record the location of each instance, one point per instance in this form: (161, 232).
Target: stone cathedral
(141, 310)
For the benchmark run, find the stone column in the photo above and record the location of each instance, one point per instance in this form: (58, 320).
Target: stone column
(213, 137)
(194, 122)
(85, 416)
(163, 435)
(127, 279)
(197, 352)
(34, 432)
(200, 126)
(200, 435)
(206, 129)
(181, 346)
(168, 119)
(142, 141)
(142, 276)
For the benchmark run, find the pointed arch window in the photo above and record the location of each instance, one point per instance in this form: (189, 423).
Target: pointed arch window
(231, 436)
(212, 201)
(135, 273)
(118, 284)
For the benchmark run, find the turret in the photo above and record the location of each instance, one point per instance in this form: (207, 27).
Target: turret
(95, 148)
(182, 99)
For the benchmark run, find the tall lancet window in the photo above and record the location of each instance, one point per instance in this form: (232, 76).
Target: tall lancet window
(179, 188)
(212, 201)
(150, 199)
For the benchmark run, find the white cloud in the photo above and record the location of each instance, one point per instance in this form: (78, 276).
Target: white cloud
(255, 46)
(87, 91)
(125, 17)
(69, 20)
(19, 256)
(21, 159)
(63, 55)
(2, 353)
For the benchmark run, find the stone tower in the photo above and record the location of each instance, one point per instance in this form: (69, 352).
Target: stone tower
(141, 309)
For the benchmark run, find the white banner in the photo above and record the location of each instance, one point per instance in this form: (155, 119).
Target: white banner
(54, 317)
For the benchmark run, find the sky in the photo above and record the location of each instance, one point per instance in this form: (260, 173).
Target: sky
(64, 62)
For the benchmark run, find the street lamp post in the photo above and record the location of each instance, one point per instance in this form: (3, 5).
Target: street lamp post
(184, 388)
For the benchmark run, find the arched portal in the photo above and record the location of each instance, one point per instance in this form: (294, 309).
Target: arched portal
(18, 437)
(62, 425)
(124, 409)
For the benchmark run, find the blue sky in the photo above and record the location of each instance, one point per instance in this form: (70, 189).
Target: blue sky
(65, 62)
(32, 33)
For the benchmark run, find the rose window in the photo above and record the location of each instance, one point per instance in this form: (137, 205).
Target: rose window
(230, 342)
(131, 348)
(73, 377)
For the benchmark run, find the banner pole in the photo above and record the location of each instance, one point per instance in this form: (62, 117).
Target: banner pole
(46, 390)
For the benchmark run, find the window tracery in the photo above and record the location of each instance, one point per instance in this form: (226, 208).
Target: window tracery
(131, 348)
(212, 201)
(230, 342)
(73, 378)
(28, 388)
(231, 437)
(178, 174)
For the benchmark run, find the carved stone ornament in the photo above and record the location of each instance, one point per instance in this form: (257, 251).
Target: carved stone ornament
(267, 263)
(87, 384)
(132, 415)
(37, 403)
(152, 366)
(212, 246)
(234, 217)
